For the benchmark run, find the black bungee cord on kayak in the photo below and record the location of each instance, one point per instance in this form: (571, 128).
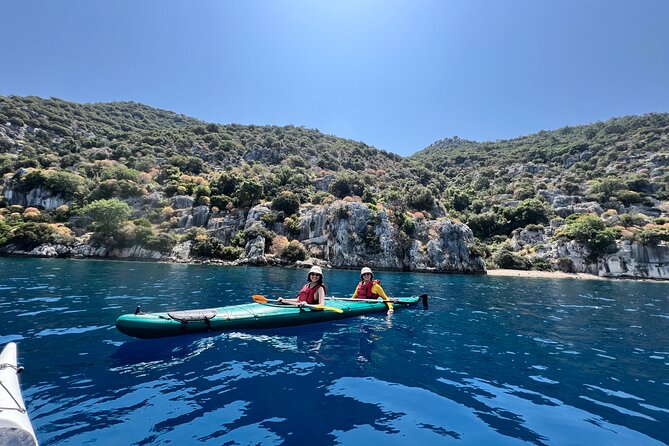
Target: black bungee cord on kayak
(18, 406)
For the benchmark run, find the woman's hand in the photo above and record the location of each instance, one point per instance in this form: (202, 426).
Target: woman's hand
(280, 300)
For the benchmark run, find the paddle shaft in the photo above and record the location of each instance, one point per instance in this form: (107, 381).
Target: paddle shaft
(391, 300)
(262, 299)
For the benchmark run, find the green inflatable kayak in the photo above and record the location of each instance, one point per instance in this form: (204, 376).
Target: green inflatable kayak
(253, 315)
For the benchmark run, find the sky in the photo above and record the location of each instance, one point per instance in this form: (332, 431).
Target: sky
(397, 75)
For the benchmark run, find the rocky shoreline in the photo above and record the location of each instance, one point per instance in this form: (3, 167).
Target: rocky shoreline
(46, 251)
(345, 234)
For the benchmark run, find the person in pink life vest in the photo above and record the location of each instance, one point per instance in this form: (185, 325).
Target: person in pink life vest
(312, 293)
(368, 288)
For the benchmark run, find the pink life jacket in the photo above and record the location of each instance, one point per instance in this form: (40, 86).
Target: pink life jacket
(308, 294)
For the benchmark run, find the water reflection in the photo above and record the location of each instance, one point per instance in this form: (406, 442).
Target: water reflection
(515, 415)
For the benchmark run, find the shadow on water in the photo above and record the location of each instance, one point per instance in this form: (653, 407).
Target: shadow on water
(143, 350)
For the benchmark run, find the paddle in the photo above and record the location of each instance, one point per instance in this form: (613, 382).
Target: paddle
(263, 300)
(390, 299)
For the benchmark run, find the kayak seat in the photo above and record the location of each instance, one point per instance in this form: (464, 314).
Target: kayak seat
(193, 315)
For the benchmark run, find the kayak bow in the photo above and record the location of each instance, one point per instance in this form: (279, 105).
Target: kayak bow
(15, 426)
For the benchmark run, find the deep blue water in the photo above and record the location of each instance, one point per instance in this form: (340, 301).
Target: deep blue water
(493, 361)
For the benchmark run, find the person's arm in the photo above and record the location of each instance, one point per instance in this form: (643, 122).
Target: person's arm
(320, 296)
(376, 289)
(296, 302)
(355, 293)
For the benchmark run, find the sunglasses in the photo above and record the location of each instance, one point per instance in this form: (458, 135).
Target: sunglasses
(314, 274)
(367, 274)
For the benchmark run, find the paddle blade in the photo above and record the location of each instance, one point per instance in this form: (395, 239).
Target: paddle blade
(259, 299)
(324, 307)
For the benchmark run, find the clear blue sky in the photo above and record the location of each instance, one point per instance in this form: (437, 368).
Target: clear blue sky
(397, 75)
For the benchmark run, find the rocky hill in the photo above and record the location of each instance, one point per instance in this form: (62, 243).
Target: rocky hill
(127, 180)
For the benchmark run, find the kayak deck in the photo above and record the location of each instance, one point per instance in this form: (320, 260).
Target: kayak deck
(246, 316)
(15, 426)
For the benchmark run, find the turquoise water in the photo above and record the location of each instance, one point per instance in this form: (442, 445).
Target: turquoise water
(493, 361)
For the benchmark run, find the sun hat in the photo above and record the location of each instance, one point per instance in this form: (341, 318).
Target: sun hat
(366, 270)
(315, 269)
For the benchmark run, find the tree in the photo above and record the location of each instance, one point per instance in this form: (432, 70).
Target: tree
(589, 230)
(487, 224)
(248, 193)
(286, 202)
(293, 251)
(528, 212)
(420, 198)
(607, 187)
(31, 234)
(107, 215)
(67, 184)
(4, 232)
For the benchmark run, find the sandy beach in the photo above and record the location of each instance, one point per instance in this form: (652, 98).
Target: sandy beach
(544, 274)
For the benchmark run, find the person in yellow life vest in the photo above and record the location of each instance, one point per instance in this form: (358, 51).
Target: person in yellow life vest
(368, 288)
(312, 293)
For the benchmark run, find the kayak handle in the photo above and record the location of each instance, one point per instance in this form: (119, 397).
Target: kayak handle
(18, 369)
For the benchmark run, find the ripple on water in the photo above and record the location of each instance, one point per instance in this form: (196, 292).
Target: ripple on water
(48, 310)
(68, 331)
(10, 338)
(543, 379)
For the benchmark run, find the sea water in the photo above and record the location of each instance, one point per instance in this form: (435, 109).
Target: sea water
(491, 361)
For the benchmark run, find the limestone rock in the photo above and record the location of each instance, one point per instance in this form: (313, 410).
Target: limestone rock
(182, 202)
(255, 251)
(255, 214)
(635, 260)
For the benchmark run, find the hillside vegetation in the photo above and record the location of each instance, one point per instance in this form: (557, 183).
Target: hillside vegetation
(125, 162)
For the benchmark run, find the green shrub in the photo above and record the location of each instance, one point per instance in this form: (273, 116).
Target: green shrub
(566, 265)
(32, 180)
(653, 235)
(162, 242)
(286, 202)
(292, 224)
(320, 197)
(507, 260)
(269, 219)
(107, 215)
(420, 198)
(220, 201)
(120, 172)
(541, 265)
(478, 249)
(132, 235)
(530, 211)
(4, 232)
(212, 247)
(487, 224)
(628, 197)
(248, 193)
(293, 251)
(31, 234)
(67, 184)
(589, 230)
(347, 183)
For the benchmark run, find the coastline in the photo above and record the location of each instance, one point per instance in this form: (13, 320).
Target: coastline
(303, 264)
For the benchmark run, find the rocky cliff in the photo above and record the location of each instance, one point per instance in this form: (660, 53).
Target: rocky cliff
(626, 259)
(341, 235)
